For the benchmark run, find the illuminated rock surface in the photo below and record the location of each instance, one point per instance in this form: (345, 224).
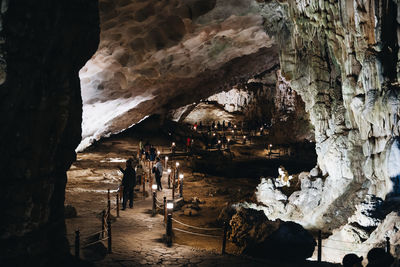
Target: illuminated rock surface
(156, 55)
(341, 57)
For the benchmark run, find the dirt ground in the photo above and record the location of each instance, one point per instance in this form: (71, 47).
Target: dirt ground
(96, 171)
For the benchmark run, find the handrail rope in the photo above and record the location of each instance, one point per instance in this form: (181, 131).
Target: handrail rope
(91, 234)
(95, 242)
(347, 250)
(328, 239)
(188, 232)
(195, 227)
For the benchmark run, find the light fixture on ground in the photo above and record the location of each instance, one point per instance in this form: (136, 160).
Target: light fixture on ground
(154, 188)
(170, 206)
(181, 185)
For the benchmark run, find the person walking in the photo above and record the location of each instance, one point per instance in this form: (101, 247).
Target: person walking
(139, 173)
(158, 171)
(128, 183)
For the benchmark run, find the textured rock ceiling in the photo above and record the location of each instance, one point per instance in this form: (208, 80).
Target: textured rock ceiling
(154, 56)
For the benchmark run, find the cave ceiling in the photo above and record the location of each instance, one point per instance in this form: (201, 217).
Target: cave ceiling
(155, 56)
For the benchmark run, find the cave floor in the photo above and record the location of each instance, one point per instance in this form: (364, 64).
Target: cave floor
(137, 236)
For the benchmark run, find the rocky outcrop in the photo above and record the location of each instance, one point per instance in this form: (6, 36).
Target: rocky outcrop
(44, 44)
(342, 61)
(255, 235)
(265, 100)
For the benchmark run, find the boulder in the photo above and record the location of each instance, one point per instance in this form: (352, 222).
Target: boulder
(70, 212)
(257, 236)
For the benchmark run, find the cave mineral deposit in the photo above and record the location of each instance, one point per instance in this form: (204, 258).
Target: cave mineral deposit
(81, 77)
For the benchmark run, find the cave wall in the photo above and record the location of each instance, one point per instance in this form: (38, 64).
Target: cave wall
(43, 46)
(342, 59)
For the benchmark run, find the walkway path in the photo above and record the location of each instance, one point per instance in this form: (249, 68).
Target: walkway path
(137, 241)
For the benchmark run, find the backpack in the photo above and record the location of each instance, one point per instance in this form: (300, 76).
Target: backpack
(156, 171)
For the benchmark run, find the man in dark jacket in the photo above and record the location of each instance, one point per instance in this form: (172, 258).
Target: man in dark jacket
(128, 183)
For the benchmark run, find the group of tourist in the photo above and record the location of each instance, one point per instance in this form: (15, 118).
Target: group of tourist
(133, 176)
(377, 257)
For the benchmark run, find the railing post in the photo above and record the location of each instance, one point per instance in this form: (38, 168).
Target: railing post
(154, 203)
(169, 230)
(173, 189)
(108, 203)
(165, 209)
(180, 187)
(109, 247)
(224, 238)
(144, 184)
(117, 203)
(103, 215)
(169, 180)
(77, 243)
(388, 245)
(319, 246)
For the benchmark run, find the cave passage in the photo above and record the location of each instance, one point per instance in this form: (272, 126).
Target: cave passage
(221, 164)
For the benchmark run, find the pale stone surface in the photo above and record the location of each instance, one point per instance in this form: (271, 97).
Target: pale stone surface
(154, 56)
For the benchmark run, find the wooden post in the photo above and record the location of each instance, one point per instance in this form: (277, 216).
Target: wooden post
(109, 247)
(388, 245)
(154, 203)
(224, 237)
(103, 215)
(180, 187)
(169, 230)
(169, 180)
(319, 246)
(173, 189)
(117, 203)
(108, 203)
(77, 243)
(144, 184)
(165, 209)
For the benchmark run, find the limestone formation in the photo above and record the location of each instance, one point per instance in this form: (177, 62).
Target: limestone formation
(160, 55)
(257, 236)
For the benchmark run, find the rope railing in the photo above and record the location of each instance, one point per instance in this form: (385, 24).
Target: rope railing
(346, 250)
(198, 234)
(349, 242)
(388, 246)
(95, 242)
(196, 227)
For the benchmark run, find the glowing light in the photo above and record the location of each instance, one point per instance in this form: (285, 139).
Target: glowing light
(244, 137)
(158, 153)
(166, 157)
(154, 187)
(177, 164)
(233, 131)
(181, 176)
(229, 139)
(169, 170)
(170, 205)
(173, 143)
(270, 145)
(219, 141)
(213, 134)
